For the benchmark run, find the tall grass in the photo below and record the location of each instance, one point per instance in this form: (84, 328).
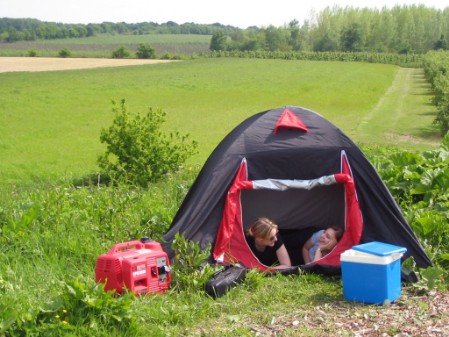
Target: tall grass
(51, 121)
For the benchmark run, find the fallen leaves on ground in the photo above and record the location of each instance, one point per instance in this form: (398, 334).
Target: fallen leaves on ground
(409, 315)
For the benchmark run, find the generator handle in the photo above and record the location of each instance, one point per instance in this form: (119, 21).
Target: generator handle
(136, 244)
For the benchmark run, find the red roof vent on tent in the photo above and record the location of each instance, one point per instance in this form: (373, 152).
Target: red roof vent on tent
(289, 120)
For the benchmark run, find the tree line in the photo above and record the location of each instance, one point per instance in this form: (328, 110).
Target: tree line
(14, 30)
(401, 29)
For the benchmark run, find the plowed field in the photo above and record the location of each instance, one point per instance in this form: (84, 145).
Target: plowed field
(11, 64)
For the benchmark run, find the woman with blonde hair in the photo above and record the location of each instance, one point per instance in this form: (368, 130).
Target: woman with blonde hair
(264, 240)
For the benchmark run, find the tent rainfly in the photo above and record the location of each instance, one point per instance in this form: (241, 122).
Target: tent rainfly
(293, 166)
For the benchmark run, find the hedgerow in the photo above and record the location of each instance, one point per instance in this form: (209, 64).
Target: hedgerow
(403, 60)
(436, 68)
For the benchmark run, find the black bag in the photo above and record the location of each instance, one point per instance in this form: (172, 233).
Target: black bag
(223, 280)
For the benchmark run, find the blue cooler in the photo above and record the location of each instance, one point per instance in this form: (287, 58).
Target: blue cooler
(371, 272)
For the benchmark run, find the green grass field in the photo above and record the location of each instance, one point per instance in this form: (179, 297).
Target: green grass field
(103, 45)
(51, 121)
(52, 234)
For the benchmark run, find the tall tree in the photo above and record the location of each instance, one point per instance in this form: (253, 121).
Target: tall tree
(275, 39)
(218, 41)
(294, 40)
(351, 38)
(440, 44)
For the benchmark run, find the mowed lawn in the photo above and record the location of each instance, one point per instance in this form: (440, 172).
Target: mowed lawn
(50, 122)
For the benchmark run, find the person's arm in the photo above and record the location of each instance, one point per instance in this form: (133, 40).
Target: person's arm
(318, 254)
(306, 249)
(326, 249)
(323, 250)
(283, 257)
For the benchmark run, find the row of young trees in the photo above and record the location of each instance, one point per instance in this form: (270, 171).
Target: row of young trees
(403, 60)
(401, 29)
(436, 68)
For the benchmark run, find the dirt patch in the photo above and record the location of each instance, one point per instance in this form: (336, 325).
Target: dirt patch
(434, 141)
(32, 64)
(410, 315)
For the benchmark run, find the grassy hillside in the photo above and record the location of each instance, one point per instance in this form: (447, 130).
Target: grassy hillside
(51, 121)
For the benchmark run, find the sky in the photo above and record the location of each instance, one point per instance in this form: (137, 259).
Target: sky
(238, 13)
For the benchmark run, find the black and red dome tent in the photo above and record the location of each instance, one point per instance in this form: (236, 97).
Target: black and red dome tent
(292, 165)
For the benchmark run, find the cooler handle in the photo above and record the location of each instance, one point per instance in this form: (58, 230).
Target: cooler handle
(136, 244)
(396, 256)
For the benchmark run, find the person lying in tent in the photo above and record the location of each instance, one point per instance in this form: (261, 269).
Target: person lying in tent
(264, 240)
(321, 243)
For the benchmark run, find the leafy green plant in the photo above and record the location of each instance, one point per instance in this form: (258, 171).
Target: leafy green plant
(82, 310)
(253, 279)
(190, 269)
(145, 51)
(32, 53)
(138, 152)
(64, 53)
(429, 279)
(120, 53)
(91, 305)
(420, 184)
(417, 177)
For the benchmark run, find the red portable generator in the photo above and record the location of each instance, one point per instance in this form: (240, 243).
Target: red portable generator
(139, 266)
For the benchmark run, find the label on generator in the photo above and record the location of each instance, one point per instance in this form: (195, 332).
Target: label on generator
(140, 270)
(162, 261)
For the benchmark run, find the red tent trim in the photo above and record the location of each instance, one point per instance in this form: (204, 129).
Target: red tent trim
(354, 221)
(289, 120)
(231, 245)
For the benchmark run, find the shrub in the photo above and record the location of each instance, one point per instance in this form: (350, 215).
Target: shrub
(64, 53)
(169, 56)
(190, 269)
(32, 53)
(120, 53)
(145, 51)
(138, 152)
